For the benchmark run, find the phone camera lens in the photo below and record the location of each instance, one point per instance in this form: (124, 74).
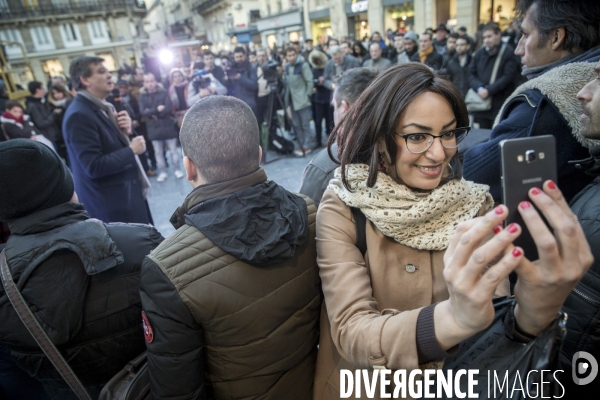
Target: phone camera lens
(530, 155)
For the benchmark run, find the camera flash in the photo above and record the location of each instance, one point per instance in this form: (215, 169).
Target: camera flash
(520, 158)
(542, 155)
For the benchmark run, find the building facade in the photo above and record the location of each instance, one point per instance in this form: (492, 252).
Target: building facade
(54, 32)
(356, 19)
(282, 22)
(228, 23)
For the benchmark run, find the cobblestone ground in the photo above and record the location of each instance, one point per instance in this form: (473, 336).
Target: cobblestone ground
(168, 195)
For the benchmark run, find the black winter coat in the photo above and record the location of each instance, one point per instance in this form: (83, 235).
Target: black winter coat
(459, 75)
(583, 304)
(435, 60)
(160, 125)
(480, 74)
(81, 279)
(246, 87)
(44, 120)
(322, 94)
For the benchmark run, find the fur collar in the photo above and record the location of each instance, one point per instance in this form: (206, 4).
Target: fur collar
(561, 86)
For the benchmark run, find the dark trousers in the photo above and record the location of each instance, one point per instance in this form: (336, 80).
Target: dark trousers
(322, 111)
(148, 159)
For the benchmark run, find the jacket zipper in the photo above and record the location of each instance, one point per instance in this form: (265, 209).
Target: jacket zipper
(526, 98)
(587, 298)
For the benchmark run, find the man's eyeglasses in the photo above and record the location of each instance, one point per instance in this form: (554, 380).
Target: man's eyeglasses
(418, 143)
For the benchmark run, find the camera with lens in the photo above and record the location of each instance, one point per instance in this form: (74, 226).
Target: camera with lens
(200, 80)
(271, 72)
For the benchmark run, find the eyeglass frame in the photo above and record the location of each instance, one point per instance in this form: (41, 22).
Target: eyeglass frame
(406, 135)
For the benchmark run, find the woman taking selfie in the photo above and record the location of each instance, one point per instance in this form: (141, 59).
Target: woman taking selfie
(419, 285)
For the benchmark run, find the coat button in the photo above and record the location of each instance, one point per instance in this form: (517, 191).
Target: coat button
(410, 268)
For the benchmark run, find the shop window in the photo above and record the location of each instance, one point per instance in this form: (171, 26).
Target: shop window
(109, 61)
(52, 68)
(31, 5)
(500, 11)
(42, 38)
(21, 75)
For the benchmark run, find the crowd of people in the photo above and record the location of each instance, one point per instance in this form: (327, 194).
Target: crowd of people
(389, 258)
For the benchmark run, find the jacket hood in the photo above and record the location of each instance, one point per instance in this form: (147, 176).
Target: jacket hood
(561, 86)
(159, 88)
(260, 224)
(299, 59)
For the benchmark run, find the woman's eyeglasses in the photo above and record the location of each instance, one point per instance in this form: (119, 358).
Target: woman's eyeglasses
(419, 142)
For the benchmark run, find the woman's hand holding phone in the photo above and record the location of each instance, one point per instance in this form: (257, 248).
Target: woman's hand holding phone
(564, 258)
(470, 279)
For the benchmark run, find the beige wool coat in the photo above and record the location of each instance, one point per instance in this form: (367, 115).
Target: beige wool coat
(369, 316)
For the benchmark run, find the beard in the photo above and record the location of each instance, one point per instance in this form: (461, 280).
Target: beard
(590, 126)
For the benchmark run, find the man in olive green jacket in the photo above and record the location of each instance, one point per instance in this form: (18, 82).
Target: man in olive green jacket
(232, 299)
(298, 80)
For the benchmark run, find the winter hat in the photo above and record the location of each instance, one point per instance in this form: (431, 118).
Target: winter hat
(317, 59)
(32, 178)
(412, 36)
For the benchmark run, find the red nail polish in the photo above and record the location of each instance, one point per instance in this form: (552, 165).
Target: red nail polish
(552, 185)
(497, 230)
(525, 205)
(512, 228)
(499, 210)
(516, 252)
(535, 191)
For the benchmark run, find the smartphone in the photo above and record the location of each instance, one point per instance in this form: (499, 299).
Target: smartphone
(526, 163)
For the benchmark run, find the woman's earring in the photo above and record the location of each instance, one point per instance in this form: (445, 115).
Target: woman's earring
(381, 163)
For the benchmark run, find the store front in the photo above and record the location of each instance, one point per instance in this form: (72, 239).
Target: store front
(320, 25)
(281, 29)
(499, 11)
(358, 21)
(399, 15)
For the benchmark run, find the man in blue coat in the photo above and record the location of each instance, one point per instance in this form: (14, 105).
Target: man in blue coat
(109, 178)
(559, 48)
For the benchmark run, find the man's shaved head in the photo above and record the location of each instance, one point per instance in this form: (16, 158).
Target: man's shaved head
(220, 136)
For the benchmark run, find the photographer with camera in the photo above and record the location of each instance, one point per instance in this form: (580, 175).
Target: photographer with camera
(203, 84)
(243, 79)
(209, 65)
(298, 82)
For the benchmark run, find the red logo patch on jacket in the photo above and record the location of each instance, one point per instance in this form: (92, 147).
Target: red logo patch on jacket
(148, 333)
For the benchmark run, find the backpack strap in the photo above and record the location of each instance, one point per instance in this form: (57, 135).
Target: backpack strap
(361, 229)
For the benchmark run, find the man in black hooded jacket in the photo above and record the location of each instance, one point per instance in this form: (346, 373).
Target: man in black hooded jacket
(232, 298)
(80, 277)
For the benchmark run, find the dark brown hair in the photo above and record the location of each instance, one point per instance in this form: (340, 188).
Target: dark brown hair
(377, 112)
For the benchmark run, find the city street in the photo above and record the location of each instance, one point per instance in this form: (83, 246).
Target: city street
(168, 195)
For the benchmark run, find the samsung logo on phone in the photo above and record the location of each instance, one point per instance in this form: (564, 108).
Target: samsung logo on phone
(531, 180)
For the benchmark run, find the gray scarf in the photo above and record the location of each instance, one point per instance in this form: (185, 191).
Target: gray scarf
(109, 110)
(532, 72)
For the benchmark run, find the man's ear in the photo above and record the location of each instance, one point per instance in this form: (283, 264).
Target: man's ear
(345, 105)
(558, 38)
(83, 80)
(190, 169)
(260, 154)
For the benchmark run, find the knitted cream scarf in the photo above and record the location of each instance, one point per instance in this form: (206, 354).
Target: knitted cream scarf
(420, 221)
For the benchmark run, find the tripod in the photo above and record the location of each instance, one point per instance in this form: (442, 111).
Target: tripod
(274, 96)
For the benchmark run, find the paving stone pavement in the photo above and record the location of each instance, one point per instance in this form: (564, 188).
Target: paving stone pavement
(168, 195)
